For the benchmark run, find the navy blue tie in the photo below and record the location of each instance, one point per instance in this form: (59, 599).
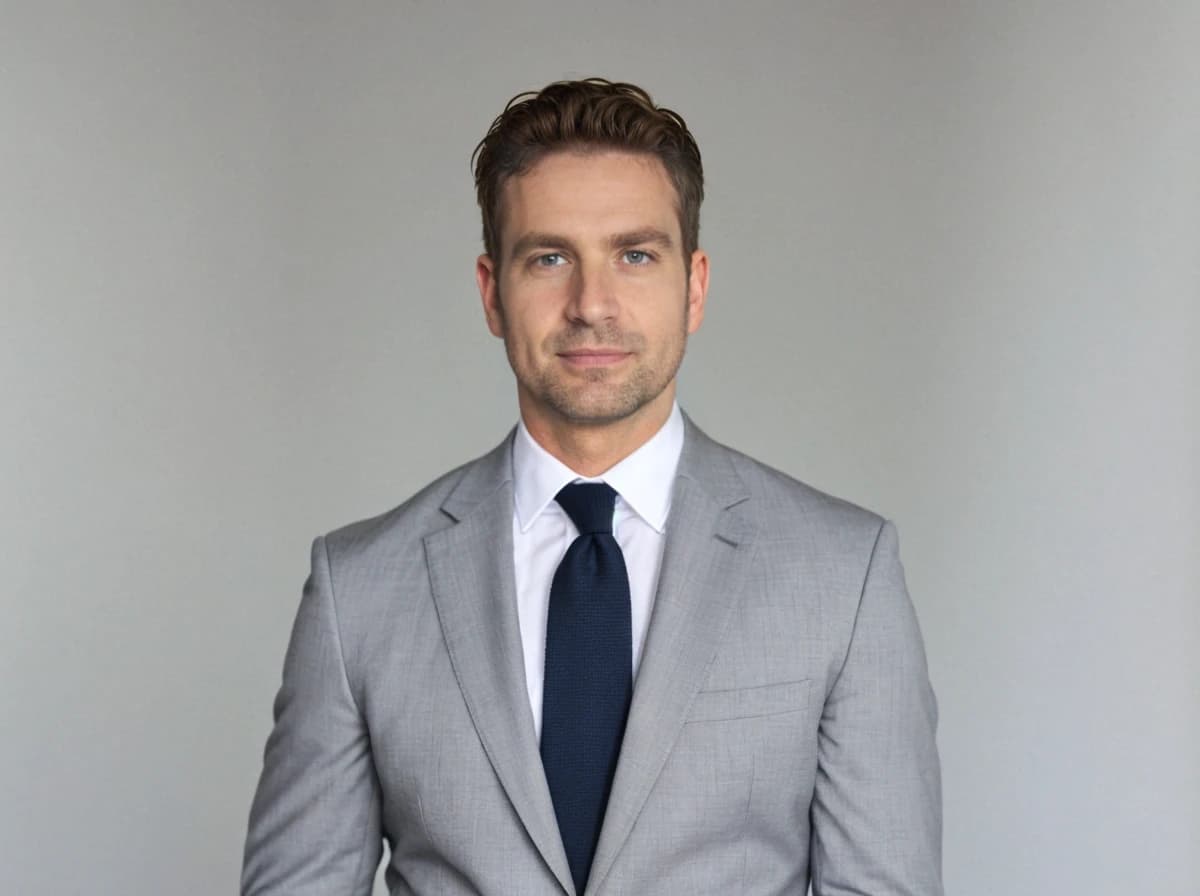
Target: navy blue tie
(589, 675)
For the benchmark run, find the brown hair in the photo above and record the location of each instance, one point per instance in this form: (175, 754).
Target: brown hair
(588, 114)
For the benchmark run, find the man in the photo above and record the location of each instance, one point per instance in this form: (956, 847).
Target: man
(611, 656)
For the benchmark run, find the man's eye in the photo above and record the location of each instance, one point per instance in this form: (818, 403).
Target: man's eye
(550, 260)
(637, 256)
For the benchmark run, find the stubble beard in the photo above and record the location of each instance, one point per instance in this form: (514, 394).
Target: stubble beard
(598, 396)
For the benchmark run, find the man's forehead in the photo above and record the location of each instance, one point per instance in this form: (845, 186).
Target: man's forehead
(595, 190)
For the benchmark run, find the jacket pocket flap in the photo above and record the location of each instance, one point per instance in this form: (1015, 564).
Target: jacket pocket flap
(748, 703)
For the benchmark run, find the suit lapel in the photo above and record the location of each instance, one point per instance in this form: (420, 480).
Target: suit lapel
(709, 548)
(471, 574)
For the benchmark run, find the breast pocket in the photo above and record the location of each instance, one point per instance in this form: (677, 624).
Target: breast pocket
(750, 703)
(744, 761)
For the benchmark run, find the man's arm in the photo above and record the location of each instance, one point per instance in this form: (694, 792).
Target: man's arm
(877, 807)
(315, 822)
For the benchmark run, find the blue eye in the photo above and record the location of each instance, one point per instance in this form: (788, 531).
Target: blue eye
(637, 256)
(550, 260)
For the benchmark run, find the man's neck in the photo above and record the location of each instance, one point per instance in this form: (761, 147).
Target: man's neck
(592, 449)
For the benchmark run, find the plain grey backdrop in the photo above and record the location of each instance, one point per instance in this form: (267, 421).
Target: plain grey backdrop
(956, 278)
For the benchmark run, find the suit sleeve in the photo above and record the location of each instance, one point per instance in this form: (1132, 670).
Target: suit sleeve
(315, 822)
(877, 805)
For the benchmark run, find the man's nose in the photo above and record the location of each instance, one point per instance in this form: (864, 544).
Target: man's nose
(593, 296)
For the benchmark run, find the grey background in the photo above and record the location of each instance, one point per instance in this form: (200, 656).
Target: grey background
(956, 279)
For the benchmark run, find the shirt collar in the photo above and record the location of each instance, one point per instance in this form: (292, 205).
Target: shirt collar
(643, 479)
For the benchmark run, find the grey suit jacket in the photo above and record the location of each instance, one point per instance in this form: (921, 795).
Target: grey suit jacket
(782, 722)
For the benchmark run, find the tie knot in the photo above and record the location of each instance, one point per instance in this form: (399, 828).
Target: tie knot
(590, 506)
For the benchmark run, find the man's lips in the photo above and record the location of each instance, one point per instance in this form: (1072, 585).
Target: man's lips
(594, 357)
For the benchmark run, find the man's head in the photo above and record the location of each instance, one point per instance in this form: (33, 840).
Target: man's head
(580, 116)
(590, 198)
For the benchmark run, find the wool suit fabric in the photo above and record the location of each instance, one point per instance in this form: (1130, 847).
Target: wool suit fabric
(782, 727)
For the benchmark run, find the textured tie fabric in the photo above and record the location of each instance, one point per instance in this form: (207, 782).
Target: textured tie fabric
(589, 678)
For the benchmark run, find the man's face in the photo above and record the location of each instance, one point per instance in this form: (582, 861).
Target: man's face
(591, 292)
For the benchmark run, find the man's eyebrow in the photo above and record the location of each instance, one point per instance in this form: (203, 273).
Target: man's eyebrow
(651, 235)
(640, 237)
(532, 241)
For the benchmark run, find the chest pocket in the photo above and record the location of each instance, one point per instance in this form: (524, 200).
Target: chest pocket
(750, 703)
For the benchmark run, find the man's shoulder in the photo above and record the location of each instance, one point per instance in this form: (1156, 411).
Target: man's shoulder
(783, 503)
(408, 523)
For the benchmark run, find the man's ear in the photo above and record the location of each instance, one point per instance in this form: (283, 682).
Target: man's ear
(487, 279)
(697, 290)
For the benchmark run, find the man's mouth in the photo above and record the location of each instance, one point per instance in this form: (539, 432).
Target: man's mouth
(594, 357)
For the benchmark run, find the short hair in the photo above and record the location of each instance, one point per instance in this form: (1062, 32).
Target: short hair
(590, 114)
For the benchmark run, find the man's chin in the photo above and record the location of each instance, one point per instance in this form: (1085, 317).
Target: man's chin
(600, 410)
(597, 400)
(591, 415)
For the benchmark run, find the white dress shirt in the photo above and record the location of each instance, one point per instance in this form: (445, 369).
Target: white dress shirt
(542, 532)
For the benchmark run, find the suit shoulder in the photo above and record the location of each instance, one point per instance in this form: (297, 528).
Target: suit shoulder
(785, 499)
(406, 524)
